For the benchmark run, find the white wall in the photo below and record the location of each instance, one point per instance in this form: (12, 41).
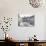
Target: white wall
(11, 8)
(45, 29)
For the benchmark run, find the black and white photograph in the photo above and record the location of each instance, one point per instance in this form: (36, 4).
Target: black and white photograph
(26, 21)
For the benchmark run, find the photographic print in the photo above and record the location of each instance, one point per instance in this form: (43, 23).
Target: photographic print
(26, 21)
